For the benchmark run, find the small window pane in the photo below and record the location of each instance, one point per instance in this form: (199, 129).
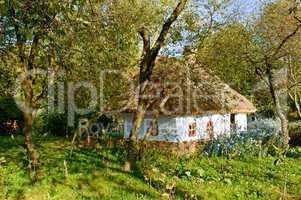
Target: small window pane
(232, 118)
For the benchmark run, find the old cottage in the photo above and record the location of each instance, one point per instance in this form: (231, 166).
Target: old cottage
(186, 103)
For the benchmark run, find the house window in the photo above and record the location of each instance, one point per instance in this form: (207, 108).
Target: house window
(232, 118)
(232, 122)
(209, 129)
(253, 118)
(154, 128)
(192, 129)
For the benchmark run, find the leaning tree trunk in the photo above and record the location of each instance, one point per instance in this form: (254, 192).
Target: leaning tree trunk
(146, 68)
(297, 101)
(278, 109)
(133, 145)
(29, 115)
(283, 121)
(31, 152)
(295, 98)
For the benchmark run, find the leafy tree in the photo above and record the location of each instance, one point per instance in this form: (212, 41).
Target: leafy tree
(273, 33)
(83, 38)
(107, 40)
(27, 45)
(223, 53)
(242, 54)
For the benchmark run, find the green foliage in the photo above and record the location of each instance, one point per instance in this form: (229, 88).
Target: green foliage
(239, 52)
(7, 78)
(54, 123)
(295, 134)
(57, 123)
(294, 152)
(9, 110)
(244, 144)
(224, 52)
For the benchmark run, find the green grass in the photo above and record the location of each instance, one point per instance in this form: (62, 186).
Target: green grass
(89, 174)
(80, 173)
(221, 178)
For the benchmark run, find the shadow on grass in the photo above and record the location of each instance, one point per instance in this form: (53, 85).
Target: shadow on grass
(88, 172)
(10, 142)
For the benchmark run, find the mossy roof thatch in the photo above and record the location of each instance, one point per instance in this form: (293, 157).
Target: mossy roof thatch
(183, 88)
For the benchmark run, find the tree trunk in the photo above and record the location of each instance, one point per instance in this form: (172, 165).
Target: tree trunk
(31, 152)
(132, 155)
(297, 104)
(278, 109)
(283, 121)
(133, 146)
(137, 121)
(146, 68)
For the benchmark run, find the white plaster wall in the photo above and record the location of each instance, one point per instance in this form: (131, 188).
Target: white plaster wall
(183, 124)
(221, 125)
(241, 121)
(167, 128)
(128, 121)
(176, 129)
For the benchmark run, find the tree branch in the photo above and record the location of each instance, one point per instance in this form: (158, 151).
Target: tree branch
(146, 40)
(33, 51)
(299, 20)
(148, 61)
(295, 85)
(166, 26)
(285, 40)
(91, 7)
(42, 94)
(19, 42)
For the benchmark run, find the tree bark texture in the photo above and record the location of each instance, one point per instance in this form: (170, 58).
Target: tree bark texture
(277, 107)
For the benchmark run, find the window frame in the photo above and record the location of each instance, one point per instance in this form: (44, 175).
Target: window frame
(192, 129)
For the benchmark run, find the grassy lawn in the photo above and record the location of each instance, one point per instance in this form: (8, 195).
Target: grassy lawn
(81, 173)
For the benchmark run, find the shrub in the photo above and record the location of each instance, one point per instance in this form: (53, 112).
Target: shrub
(9, 112)
(295, 134)
(57, 123)
(259, 140)
(263, 128)
(54, 123)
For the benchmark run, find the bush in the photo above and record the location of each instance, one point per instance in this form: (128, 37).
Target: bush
(262, 128)
(9, 112)
(57, 123)
(259, 140)
(54, 123)
(295, 134)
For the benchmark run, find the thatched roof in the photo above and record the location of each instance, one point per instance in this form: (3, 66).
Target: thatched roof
(182, 88)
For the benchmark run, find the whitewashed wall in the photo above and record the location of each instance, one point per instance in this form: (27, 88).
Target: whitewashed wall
(176, 129)
(221, 125)
(241, 121)
(167, 128)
